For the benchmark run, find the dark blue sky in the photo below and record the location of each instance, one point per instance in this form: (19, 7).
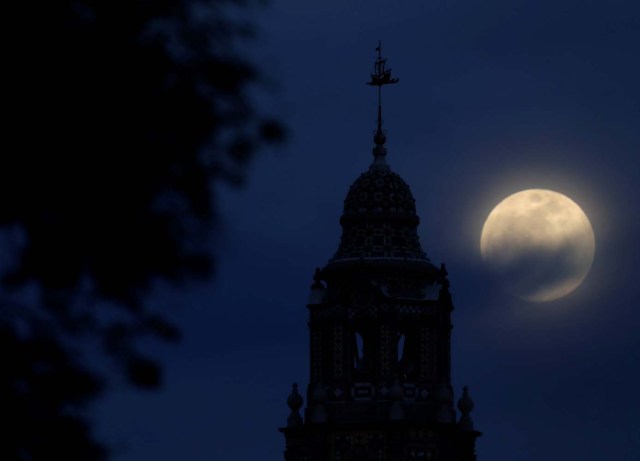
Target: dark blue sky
(494, 97)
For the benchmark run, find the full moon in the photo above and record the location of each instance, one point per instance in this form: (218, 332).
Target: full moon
(539, 243)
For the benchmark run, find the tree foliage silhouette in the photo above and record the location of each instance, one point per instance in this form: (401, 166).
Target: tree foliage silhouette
(125, 115)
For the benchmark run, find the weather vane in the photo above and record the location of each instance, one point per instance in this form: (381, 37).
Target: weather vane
(380, 77)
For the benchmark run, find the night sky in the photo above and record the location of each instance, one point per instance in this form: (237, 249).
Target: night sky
(494, 97)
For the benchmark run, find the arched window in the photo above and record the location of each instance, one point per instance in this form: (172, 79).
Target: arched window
(358, 352)
(401, 340)
(407, 353)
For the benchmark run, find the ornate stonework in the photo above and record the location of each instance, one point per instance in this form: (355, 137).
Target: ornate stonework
(380, 320)
(379, 219)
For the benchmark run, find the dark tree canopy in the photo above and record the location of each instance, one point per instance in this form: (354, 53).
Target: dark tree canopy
(124, 116)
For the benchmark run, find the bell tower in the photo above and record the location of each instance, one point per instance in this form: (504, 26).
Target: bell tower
(380, 335)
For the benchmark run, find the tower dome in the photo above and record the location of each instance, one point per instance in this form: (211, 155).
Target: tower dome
(379, 219)
(379, 194)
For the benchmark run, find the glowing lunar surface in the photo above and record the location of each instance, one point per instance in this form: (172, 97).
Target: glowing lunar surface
(539, 243)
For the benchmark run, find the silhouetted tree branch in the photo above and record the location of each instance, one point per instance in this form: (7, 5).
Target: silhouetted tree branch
(124, 114)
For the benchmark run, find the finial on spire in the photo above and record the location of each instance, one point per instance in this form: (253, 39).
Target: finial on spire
(381, 76)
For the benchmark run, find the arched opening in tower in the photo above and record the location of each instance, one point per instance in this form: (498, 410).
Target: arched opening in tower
(401, 339)
(358, 354)
(408, 350)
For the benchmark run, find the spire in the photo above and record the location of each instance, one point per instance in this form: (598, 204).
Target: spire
(380, 76)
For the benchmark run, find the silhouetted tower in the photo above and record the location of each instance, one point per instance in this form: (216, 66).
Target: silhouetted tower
(380, 326)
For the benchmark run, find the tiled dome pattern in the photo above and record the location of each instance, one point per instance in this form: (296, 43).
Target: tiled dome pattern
(379, 191)
(379, 219)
